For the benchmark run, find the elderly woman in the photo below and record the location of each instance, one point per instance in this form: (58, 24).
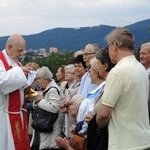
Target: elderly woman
(87, 106)
(50, 102)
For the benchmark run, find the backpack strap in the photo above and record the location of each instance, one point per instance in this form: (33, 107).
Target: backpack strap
(44, 93)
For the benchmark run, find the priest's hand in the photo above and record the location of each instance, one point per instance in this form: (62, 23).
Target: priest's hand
(26, 70)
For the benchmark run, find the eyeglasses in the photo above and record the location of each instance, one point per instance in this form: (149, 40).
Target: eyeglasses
(107, 47)
(86, 54)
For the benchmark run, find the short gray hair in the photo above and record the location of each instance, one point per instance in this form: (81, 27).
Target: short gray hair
(96, 47)
(45, 73)
(122, 37)
(146, 44)
(69, 66)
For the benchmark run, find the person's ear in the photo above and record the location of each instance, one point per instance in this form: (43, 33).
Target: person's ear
(105, 66)
(114, 45)
(10, 46)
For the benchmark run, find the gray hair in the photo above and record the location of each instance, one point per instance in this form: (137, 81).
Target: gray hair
(93, 47)
(93, 63)
(79, 52)
(96, 47)
(69, 66)
(146, 44)
(122, 37)
(45, 73)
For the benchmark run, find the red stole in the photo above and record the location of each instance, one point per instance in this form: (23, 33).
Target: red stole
(19, 129)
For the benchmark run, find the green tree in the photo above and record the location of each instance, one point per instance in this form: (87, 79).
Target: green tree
(53, 61)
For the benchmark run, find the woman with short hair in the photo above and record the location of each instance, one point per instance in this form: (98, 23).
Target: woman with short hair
(50, 102)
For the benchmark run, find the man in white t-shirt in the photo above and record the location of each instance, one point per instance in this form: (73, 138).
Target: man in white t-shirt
(124, 101)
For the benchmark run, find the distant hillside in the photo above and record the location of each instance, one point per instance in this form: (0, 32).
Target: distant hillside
(75, 39)
(141, 31)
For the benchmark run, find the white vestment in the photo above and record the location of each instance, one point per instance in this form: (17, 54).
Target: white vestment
(10, 81)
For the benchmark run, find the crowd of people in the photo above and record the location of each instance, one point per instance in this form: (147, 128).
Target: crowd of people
(103, 97)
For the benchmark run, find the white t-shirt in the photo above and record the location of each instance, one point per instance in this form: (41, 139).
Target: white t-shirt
(126, 91)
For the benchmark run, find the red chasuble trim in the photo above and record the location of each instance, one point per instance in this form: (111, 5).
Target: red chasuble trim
(19, 130)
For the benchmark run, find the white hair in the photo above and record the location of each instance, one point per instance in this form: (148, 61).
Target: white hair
(69, 66)
(146, 44)
(79, 52)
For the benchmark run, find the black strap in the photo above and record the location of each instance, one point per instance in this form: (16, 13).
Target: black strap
(44, 93)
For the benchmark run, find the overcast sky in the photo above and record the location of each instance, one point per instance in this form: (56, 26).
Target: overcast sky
(33, 16)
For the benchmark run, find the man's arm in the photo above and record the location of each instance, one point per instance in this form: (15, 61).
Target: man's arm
(103, 115)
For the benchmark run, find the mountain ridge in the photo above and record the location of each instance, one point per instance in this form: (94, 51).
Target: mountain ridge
(76, 38)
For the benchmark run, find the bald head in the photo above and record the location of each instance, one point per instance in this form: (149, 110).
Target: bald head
(15, 46)
(15, 40)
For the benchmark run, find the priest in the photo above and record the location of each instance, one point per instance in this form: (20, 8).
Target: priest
(13, 80)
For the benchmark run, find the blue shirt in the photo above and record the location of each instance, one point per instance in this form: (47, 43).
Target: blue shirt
(86, 86)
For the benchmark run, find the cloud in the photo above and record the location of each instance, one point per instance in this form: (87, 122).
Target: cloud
(29, 17)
